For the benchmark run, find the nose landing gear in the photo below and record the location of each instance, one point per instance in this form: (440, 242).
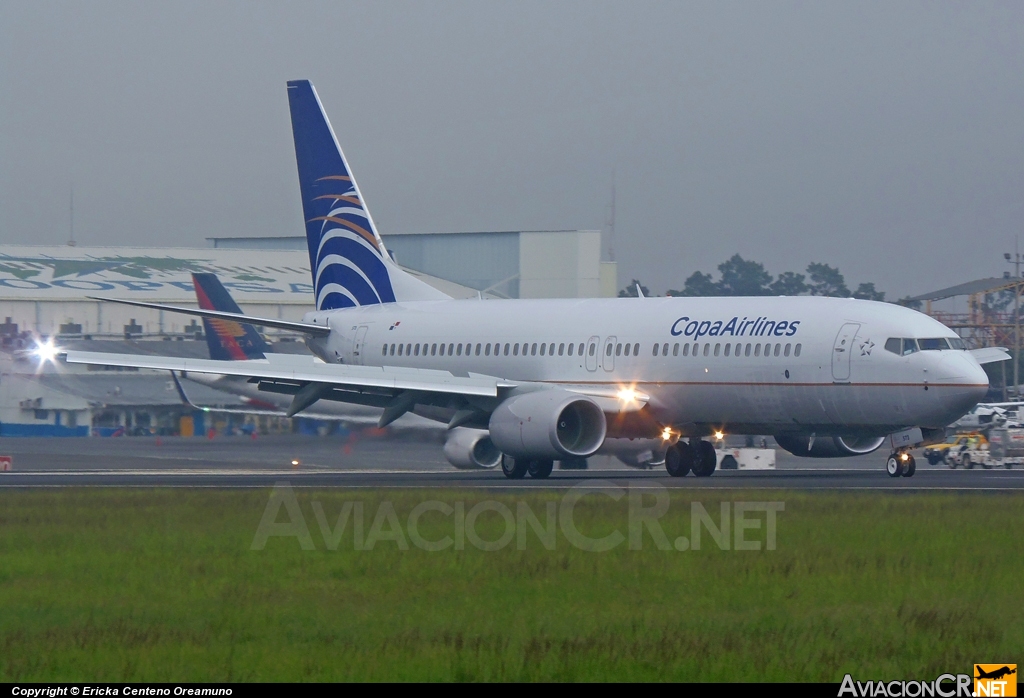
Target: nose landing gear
(901, 464)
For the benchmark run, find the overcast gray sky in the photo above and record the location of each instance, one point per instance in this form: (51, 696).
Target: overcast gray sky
(885, 138)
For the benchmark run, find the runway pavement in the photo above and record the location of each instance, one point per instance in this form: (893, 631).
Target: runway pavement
(414, 461)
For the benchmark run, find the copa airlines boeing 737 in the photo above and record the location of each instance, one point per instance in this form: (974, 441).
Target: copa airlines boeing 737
(547, 380)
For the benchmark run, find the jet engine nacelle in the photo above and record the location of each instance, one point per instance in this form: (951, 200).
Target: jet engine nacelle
(551, 424)
(471, 449)
(829, 446)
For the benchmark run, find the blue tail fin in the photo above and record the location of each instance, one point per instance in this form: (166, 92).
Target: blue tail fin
(347, 257)
(227, 340)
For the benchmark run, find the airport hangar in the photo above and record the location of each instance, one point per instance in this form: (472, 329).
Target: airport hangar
(44, 292)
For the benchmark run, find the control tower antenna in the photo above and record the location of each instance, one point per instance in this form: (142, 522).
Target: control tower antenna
(611, 222)
(71, 238)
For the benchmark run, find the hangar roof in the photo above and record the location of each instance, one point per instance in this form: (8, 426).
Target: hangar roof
(162, 274)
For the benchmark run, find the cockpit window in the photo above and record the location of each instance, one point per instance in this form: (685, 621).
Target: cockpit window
(905, 346)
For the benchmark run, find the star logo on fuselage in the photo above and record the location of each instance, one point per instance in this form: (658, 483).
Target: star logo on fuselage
(866, 347)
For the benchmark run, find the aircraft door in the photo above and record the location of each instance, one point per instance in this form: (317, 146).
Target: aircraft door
(608, 359)
(842, 352)
(359, 345)
(592, 344)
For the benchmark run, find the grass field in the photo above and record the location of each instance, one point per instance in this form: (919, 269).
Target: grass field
(162, 585)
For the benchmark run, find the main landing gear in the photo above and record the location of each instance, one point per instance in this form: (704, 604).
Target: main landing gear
(517, 468)
(698, 457)
(901, 464)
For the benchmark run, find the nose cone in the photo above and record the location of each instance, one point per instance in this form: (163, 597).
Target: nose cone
(964, 383)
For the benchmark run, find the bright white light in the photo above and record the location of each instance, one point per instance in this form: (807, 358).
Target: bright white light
(719, 436)
(295, 463)
(627, 395)
(46, 351)
(666, 434)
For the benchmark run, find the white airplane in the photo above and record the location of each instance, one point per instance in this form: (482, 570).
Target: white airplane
(555, 379)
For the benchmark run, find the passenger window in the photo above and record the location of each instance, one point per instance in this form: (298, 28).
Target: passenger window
(747, 352)
(487, 349)
(478, 349)
(515, 349)
(451, 348)
(909, 346)
(442, 350)
(458, 350)
(796, 350)
(707, 349)
(571, 347)
(542, 348)
(433, 349)
(561, 348)
(686, 349)
(757, 350)
(416, 350)
(636, 349)
(593, 348)
(664, 349)
(727, 346)
(608, 349)
(786, 353)
(385, 352)
(655, 350)
(506, 348)
(625, 350)
(551, 349)
(895, 345)
(777, 347)
(533, 350)
(618, 349)
(400, 347)
(717, 348)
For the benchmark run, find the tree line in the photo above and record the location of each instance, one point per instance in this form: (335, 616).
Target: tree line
(742, 277)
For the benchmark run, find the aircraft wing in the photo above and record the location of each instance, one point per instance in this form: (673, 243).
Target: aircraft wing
(396, 389)
(990, 355)
(308, 371)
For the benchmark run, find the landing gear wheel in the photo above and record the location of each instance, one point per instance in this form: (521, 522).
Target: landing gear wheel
(679, 459)
(909, 467)
(540, 468)
(514, 468)
(707, 459)
(965, 460)
(893, 466)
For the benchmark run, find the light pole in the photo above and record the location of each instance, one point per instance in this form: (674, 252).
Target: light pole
(1015, 258)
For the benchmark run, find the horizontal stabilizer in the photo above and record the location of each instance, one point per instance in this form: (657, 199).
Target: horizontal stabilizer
(990, 355)
(300, 327)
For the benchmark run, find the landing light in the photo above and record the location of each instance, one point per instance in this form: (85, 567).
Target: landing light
(719, 436)
(666, 434)
(904, 456)
(627, 395)
(46, 351)
(295, 463)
